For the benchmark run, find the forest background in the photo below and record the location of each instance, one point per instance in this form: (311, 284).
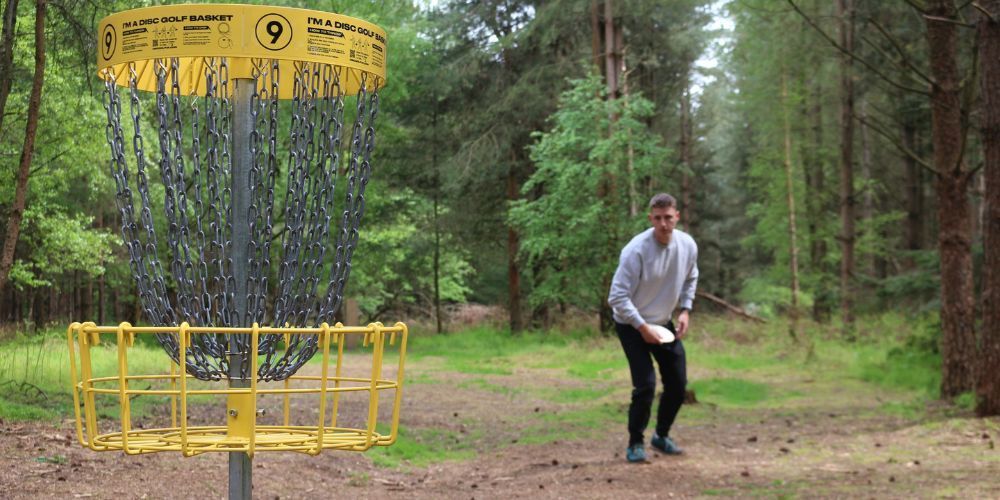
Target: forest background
(834, 160)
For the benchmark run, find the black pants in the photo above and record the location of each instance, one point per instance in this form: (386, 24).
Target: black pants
(673, 372)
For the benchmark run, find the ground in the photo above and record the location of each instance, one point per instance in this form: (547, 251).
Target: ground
(507, 436)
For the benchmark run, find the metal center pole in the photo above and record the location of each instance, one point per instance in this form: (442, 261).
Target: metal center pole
(240, 471)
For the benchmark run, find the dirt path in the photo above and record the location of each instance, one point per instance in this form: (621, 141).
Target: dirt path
(823, 447)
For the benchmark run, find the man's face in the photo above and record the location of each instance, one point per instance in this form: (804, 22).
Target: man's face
(663, 220)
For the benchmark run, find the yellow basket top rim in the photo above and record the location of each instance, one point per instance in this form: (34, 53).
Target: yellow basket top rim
(240, 33)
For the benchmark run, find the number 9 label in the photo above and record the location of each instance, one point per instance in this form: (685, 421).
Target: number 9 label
(108, 42)
(274, 32)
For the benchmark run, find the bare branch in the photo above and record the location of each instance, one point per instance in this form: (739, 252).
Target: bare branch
(902, 53)
(916, 7)
(897, 143)
(901, 65)
(985, 12)
(949, 21)
(973, 170)
(854, 56)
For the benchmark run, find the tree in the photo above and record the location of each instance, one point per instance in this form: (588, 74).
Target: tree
(951, 185)
(27, 152)
(9, 23)
(950, 103)
(988, 384)
(565, 226)
(511, 60)
(793, 245)
(845, 10)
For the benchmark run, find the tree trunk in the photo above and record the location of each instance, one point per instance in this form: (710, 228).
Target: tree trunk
(951, 182)
(988, 384)
(100, 279)
(868, 208)
(816, 208)
(437, 223)
(437, 266)
(595, 37)
(513, 270)
(914, 195)
(24, 168)
(9, 24)
(793, 247)
(633, 195)
(612, 52)
(607, 190)
(686, 157)
(845, 10)
(87, 304)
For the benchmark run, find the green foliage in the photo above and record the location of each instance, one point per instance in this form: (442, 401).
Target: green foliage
(920, 286)
(570, 235)
(63, 244)
(766, 299)
(966, 401)
(393, 266)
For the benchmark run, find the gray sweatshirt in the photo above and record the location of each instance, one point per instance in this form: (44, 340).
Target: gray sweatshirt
(653, 279)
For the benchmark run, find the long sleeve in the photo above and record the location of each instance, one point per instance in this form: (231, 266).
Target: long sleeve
(690, 283)
(624, 285)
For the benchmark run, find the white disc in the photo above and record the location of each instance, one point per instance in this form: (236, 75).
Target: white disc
(665, 336)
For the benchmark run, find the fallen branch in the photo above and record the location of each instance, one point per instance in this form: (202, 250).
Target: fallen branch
(731, 308)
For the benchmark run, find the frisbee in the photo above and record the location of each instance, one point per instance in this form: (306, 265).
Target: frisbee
(665, 336)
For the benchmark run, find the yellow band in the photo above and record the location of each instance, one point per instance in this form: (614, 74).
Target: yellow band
(239, 33)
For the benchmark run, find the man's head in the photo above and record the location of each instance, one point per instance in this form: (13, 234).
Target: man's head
(663, 216)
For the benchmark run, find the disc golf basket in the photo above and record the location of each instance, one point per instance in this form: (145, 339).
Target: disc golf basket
(240, 226)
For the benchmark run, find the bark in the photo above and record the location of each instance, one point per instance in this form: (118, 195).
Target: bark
(816, 208)
(9, 23)
(607, 191)
(729, 307)
(793, 248)
(914, 195)
(100, 279)
(437, 224)
(845, 9)
(687, 202)
(867, 198)
(951, 183)
(513, 269)
(633, 195)
(595, 37)
(437, 267)
(612, 51)
(988, 384)
(87, 301)
(27, 152)
(878, 262)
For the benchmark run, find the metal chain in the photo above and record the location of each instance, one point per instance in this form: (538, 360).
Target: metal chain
(197, 204)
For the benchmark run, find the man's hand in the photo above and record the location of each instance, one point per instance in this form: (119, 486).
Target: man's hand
(648, 335)
(683, 320)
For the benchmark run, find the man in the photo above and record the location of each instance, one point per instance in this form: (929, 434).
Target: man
(657, 274)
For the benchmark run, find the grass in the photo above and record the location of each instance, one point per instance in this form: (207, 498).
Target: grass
(35, 376)
(731, 391)
(419, 447)
(573, 424)
(732, 365)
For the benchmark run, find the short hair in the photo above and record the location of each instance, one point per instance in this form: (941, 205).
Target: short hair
(662, 200)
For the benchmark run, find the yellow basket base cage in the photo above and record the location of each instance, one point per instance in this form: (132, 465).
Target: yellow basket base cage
(102, 385)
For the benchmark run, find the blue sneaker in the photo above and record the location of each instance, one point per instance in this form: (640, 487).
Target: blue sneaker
(666, 445)
(636, 453)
